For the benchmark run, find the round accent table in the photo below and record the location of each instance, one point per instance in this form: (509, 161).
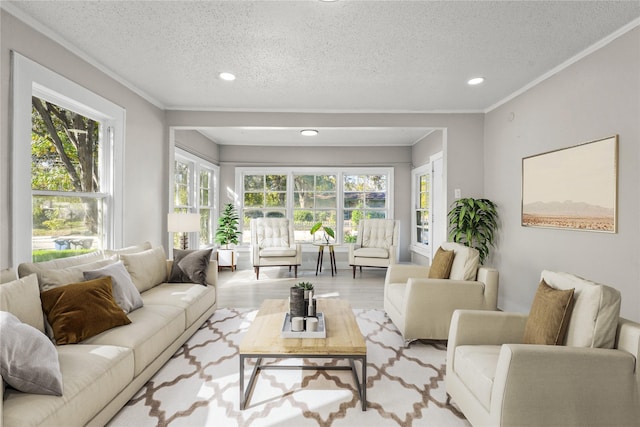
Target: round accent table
(332, 257)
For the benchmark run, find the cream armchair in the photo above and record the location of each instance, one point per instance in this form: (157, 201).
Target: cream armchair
(421, 308)
(272, 244)
(593, 379)
(376, 244)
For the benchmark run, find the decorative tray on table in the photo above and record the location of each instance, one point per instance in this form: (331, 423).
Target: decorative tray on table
(286, 331)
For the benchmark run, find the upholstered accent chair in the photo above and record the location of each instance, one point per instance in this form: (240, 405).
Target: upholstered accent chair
(591, 378)
(421, 307)
(376, 244)
(273, 244)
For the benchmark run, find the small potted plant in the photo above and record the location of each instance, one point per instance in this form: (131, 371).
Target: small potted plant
(328, 231)
(307, 286)
(226, 234)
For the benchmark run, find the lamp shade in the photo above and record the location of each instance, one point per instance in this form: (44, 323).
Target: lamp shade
(183, 222)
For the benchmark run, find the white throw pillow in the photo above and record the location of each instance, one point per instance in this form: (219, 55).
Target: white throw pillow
(147, 269)
(465, 262)
(28, 359)
(21, 297)
(596, 310)
(54, 278)
(124, 291)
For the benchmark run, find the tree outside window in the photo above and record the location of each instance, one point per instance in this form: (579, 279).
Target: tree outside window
(67, 202)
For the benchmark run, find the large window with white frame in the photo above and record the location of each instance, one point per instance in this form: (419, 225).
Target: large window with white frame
(195, 190)
(337, 197)
(72, 167)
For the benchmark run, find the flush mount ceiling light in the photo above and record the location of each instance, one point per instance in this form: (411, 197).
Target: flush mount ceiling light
(475, 81)
(227, 76)
(308, 132)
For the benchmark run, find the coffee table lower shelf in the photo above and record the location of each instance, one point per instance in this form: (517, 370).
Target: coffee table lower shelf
(361, 383)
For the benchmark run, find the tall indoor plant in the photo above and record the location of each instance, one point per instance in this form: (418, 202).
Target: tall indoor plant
(226, 234)
(473, 222)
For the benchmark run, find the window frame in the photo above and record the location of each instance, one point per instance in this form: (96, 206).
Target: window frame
(339, 172)
(32, 79)
(416, 173)
(196, 165)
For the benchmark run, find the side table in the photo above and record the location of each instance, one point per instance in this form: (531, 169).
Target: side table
(332, 257)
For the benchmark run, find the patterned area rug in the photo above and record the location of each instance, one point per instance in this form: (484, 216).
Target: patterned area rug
(199, 386)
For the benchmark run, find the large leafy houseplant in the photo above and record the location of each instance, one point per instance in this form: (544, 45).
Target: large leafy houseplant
(473, 222)
(227, 231)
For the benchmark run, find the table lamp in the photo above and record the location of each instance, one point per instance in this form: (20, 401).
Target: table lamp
(183, 223)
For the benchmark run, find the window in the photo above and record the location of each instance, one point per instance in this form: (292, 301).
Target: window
(365, 196)
(428, 221)
(422, 189)
(194, 190)
(314, 199)
(68, 170)
(309, 195)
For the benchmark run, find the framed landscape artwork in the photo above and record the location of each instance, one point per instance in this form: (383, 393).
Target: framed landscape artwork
(572, 188)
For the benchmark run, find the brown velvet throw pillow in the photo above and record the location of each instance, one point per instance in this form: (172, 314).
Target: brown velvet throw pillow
(441, 265)
(81, 310)
(549, 316)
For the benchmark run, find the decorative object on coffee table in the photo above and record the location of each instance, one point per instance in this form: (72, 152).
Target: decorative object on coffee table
(328, 231)
(296, 302)
(227, 233)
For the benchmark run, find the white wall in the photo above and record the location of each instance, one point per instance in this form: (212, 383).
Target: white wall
(594, 98)
(146, 155)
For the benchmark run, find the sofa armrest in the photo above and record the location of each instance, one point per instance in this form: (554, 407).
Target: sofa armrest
(401, 273)
(546, 385)
(480, 327)
(212, 273)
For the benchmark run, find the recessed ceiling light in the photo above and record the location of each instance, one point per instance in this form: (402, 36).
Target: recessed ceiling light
(227, 76)
(309, 132)
(475, 81)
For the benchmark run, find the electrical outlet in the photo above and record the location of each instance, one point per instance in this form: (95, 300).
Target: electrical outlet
(457, 193)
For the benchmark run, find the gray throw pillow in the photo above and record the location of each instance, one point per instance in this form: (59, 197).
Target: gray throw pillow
(190, 266)
(124, 291)
(28, 359)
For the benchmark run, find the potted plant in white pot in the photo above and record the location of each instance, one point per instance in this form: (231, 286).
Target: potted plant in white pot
(226, 234)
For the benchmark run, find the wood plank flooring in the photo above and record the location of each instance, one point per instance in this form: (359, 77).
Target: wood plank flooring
(240, 289)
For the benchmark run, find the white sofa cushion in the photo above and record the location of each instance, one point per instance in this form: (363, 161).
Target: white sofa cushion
(92, 376)
(21, 297)
(465, 263)
(596, 309)
(152, 329)
(53, 278)
(147, 268)
(27, 268)
(193, 298)
(476, 366)
(128, 250)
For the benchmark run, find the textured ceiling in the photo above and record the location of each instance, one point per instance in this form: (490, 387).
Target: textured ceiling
(312, 56)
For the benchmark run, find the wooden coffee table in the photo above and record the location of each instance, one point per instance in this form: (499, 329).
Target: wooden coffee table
(344, 341)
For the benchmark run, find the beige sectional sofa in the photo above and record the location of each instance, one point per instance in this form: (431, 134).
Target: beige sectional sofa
(101, 373)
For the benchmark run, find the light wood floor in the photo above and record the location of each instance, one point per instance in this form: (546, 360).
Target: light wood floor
(240, 289)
